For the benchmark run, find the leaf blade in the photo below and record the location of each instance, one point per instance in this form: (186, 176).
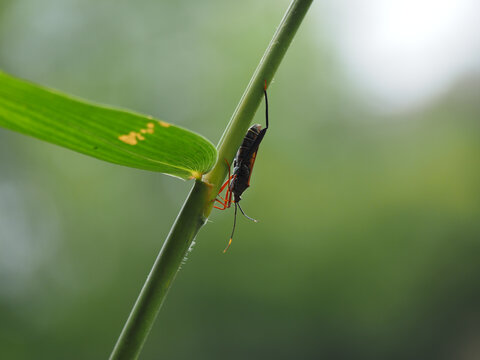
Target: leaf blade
(118, 136)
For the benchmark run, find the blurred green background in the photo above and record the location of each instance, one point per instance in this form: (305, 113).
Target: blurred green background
(367, 186)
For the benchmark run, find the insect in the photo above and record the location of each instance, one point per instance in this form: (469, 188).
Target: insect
(243, 163)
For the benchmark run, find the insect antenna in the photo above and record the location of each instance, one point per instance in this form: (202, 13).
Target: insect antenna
(233, 230)
(248, 217)
(266, 104)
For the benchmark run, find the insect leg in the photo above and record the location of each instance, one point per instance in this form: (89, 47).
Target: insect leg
(224, 200)
(223, 207)
(225, 203)
(228, 194)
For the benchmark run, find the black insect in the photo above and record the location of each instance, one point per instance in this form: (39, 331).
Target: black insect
(243, 163)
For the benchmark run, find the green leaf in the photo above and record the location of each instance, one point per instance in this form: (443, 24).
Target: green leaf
(118, 136)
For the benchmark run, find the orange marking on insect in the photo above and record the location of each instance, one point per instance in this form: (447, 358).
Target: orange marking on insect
(229, 243)
(252, 162)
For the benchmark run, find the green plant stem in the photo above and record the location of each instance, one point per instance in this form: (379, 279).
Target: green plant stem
(199, 202)
(165, 268)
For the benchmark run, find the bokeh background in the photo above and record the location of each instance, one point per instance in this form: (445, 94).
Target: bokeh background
(367, 184)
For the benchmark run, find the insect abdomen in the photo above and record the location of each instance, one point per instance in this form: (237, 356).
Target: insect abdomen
(245, 149)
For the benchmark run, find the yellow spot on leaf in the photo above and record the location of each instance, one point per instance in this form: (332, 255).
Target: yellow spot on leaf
(130, 139)
(164, 124)
(133, 136)
(150, 127)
